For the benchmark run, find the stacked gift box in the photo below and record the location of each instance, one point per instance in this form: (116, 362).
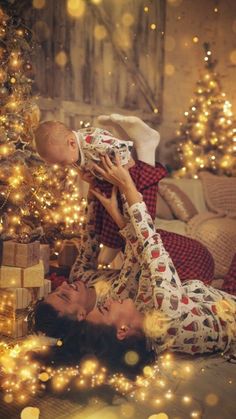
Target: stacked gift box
(22, 281)
(68, 253)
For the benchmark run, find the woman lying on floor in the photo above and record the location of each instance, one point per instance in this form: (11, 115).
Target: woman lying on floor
(191, 317)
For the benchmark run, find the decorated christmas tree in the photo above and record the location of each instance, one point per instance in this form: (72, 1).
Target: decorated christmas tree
(207, 138)
(36, 202)
(34, 199)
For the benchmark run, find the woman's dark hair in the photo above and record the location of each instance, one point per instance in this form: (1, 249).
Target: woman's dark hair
(81, 339)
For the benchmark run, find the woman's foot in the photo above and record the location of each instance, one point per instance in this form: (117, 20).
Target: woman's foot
(114, 127)
(145, 138)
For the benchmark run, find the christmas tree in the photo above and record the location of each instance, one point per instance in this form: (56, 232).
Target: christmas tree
(33, 198)
(207, 139)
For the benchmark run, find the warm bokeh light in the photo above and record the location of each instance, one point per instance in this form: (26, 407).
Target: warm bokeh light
(169, 69)
(174, 3)
(131, 358)
(30, 413)
(212, 399)
(76, 8)
(100, 32)
(39, 4)
(127, 19)
(232, 56)
(61, 59)
(161, 415)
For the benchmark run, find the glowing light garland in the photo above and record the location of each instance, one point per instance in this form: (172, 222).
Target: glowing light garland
(22, 377)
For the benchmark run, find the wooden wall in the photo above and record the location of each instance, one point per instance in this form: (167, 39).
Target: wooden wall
(121, 73)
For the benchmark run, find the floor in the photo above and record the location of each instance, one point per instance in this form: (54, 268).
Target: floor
(202, 387)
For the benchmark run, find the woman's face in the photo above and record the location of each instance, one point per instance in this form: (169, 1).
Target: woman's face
(114, 313)
(70, 300)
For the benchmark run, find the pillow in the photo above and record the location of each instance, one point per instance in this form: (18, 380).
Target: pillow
(163, 210)
(193, 188)
(220, 193)
(178, 201)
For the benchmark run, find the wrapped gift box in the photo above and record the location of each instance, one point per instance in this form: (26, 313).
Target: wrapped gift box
(68, 253)
(19, 255)
(17, 298)
(12, 299)
(15, 326)
(45, 256)
(11, 277)
(45, 289)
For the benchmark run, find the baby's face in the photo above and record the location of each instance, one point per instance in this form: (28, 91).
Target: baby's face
(64, 153)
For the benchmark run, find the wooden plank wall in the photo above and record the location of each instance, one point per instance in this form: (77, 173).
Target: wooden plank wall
(121, 73)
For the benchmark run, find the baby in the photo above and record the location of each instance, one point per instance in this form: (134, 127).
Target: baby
(58, 144)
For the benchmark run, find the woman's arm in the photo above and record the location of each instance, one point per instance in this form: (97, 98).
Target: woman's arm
(111, 205)
(159, 276)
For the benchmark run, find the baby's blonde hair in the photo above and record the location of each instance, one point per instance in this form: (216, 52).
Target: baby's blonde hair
(50, 133)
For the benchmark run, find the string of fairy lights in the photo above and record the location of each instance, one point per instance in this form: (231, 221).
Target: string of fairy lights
(22, 378)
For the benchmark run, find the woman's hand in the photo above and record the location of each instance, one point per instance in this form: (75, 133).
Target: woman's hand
(114, 173)
(88, 177)
(120, 177)
(111, 205)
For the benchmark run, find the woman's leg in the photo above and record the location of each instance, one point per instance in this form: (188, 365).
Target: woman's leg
(229, 284)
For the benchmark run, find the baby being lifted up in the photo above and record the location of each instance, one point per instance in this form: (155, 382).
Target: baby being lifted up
(57, 144)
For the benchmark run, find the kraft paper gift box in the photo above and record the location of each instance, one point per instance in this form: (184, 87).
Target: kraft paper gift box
(15, 326)
(45, 256)
(45, 289)
(18, 298)
(68, 253)
(19, 255)
(11, 277)
(12, 299)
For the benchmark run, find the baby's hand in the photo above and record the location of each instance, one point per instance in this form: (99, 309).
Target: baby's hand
(87, 176)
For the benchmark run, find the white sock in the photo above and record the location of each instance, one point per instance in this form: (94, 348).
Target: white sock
(105, 120)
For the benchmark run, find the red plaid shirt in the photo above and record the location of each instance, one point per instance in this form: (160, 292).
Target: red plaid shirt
(146, 179)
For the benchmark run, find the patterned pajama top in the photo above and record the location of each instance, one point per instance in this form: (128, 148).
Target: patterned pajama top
(95, 141)
(185, 317)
